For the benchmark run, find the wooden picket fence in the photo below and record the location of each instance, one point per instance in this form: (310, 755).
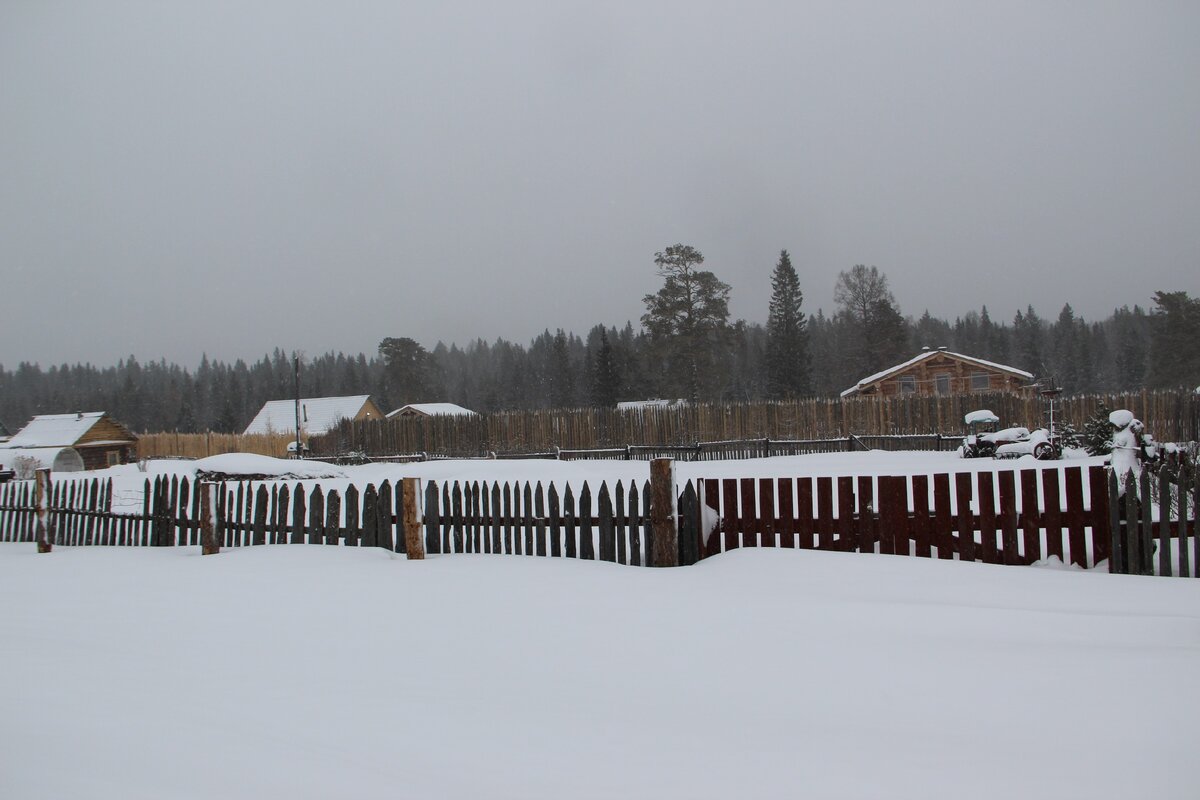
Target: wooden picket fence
(1076, 514)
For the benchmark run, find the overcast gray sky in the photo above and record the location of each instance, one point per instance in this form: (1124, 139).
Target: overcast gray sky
(229, 177)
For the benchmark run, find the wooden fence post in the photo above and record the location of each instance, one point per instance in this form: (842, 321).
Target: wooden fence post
(414, 544)
(45, 531)
(662, 513)
(209, 543)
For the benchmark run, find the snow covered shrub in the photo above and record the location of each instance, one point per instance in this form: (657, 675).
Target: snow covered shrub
(1069, 437)
(25, 467)
(1098, 432)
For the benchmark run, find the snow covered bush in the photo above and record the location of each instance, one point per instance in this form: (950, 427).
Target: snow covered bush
(1098, 432)
(24, 467)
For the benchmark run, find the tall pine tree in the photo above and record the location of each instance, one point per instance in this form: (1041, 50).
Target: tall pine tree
(787, 359)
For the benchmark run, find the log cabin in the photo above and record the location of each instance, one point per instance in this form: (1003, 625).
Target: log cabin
(100, 440)
(941, 372)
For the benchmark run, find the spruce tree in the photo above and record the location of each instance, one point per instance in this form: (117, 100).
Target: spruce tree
(606, 379)
(787, 359)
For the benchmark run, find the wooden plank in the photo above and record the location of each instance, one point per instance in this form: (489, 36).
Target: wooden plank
(414, 547)
(1031, 527)
(1075, 517)
(1181, 495)
(370, 516)
(846, 525)
(1052, 516)
(509, 526)
(587, 547)
(193, 526)
(460, 542)
(353, 531)
(260, 516)
(45, 526)
(1116, 562)
(447, 517)
(893, 515)
(606, 525)
(785, 520)
(620, 523)
(921, 528)
(867, 535)
(689, 526)
(768, 524)
(825, 535)
(964, 518)
(1100, 518)
(299, 516)
(497, 511)
(751, 519)
(143, 539)
(209, 527)
(989, 527)
(1146, 523)
(805, 525)
(662, 512)
(1008, 517)
(647, 525)
(569, 523)
(433, 541)
(943, 536)
(386, 526)
(316, 516)
(527, 518)
(1164, 525)
(1131, 541)
(729, 514)
(635, 526)
(556, 522)
(539, 510)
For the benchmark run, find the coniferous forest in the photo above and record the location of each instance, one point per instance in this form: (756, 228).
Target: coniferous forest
(684, 346)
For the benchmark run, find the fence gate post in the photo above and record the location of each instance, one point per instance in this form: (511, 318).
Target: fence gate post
(45, 531)
(209, 544)
(663, 516)
(414, 544)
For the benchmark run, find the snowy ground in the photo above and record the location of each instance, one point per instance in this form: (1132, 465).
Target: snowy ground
(312, 672)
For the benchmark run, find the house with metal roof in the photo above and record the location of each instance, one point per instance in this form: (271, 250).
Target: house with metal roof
(318, 415)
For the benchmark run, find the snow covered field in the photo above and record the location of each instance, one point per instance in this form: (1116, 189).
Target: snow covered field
(309, 672)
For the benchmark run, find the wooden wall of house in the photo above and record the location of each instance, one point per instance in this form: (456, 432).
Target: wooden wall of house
(107, 429)
(369, 411)
(925, 373)
(97, 457)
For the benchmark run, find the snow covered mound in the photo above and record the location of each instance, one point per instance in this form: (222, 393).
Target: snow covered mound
(250, 465)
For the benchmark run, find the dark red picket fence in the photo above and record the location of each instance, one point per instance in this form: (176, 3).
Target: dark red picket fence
(1079, 515)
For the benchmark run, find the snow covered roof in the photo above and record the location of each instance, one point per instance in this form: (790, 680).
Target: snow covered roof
(318, 415)
(59, 459)
(878, 376)
(432, 410)
(55, 430)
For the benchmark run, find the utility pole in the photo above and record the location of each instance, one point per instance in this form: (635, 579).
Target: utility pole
(296, 369)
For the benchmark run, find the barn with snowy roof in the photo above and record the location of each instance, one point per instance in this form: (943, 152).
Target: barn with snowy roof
(318, 415)
(100, 440)
(941, 372)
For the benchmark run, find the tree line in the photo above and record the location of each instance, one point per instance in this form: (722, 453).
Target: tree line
(686, 346)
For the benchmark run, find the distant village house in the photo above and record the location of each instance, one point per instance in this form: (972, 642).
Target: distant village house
(941, 372)
(318, 415)
(98, 440)
(431, 410)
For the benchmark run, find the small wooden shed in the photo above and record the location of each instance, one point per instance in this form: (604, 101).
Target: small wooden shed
(100, 440)
(941, 372)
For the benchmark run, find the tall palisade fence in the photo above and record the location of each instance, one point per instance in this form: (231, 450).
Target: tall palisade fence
(1081, 515)
(805, 424)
